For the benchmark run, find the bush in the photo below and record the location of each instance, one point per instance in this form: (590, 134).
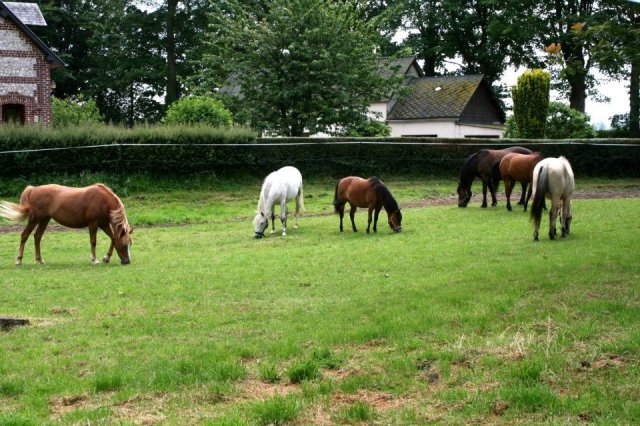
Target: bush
(369, 128)
(530, 103)
(74, 112)
(199, 110)
(564, 122)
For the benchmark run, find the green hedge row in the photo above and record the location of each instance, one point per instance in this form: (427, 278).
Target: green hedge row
(184, 151)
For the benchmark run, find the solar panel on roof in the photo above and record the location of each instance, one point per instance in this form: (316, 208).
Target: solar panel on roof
(28, 13)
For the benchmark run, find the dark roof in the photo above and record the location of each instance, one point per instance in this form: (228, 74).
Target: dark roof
(28, 13)
(391, 67)
(6, 12)
(436, 97)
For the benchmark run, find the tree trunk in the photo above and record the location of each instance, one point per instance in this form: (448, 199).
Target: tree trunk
(634, 99)
(578, 93)
(576, 74)
(172, 79)
(429, 67)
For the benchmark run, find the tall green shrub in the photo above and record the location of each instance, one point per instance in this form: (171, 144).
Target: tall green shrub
(202, 110)
(531, 102)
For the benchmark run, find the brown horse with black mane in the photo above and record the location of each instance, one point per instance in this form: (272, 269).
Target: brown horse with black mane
(484, 165)
(94, 206)
(516, 167)
(370, 193)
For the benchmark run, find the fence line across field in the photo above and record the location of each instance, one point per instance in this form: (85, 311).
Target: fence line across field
(358, 157)
(289, 144)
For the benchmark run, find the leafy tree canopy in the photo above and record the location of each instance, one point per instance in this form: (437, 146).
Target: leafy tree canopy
(300, 65)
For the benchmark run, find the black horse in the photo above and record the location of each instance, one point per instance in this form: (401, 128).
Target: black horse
(485, 164)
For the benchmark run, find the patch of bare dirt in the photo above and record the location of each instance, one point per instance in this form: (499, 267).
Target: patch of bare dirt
(253, 389)
(476, 199)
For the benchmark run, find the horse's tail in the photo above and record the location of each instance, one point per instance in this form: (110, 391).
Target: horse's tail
(496, 176)
(17, 212)
(14, 212)
(540, 190)
(301, 197)
(336, 202)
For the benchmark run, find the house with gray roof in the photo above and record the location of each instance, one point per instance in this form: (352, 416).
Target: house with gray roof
(444, 107)
(25, 66)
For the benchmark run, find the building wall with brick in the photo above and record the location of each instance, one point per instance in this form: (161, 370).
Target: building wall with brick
(25, 75)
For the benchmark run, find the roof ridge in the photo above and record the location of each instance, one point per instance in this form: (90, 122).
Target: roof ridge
(5, 12)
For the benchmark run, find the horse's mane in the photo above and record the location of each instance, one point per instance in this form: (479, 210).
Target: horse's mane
(262, 201)
(468, 171)
(390, 204)
(118, 215)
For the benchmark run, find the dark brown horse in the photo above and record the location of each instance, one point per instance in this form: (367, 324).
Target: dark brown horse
(484, 165)
(516, 167)
(370, 193)
(94, 206)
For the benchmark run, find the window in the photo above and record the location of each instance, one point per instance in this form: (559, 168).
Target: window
(13, 113)
(483, 136)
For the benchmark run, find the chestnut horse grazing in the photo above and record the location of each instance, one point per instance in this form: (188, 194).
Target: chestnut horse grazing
(370, 193)
(94, 206)
(516, 167)
(553, 178)
(484, 165)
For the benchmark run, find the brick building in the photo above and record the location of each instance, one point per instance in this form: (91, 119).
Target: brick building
(25, 66)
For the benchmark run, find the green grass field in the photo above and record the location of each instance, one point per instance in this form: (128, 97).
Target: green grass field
(461, 318)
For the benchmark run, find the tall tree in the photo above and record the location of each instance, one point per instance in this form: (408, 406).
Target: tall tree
(185, 25)
(172, 73)
(616, 50)
(560, 21)
(112, 54)
(484, 35)
(303, 65)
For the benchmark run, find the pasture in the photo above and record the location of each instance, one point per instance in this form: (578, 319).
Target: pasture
(461, 318)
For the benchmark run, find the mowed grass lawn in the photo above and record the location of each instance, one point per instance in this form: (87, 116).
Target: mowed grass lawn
(461, 318)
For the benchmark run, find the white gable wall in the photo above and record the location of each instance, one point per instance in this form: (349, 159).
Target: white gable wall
(378, 111)
(441, 129)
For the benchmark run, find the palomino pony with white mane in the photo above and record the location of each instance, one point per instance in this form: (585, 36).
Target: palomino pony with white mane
(279, 187)
(95, 207)
(553, 178)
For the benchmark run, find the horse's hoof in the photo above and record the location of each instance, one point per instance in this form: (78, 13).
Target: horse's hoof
(509, 208)
(18, 262)
(284, 234)
(295, 226)
(273, 232)
(95, 262)
(484, 206)
(106, 259)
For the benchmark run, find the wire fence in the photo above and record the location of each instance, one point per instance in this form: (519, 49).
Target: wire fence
(315, 157)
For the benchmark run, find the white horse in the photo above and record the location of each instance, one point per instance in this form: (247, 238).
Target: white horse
(553, 178)
(279, 187)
